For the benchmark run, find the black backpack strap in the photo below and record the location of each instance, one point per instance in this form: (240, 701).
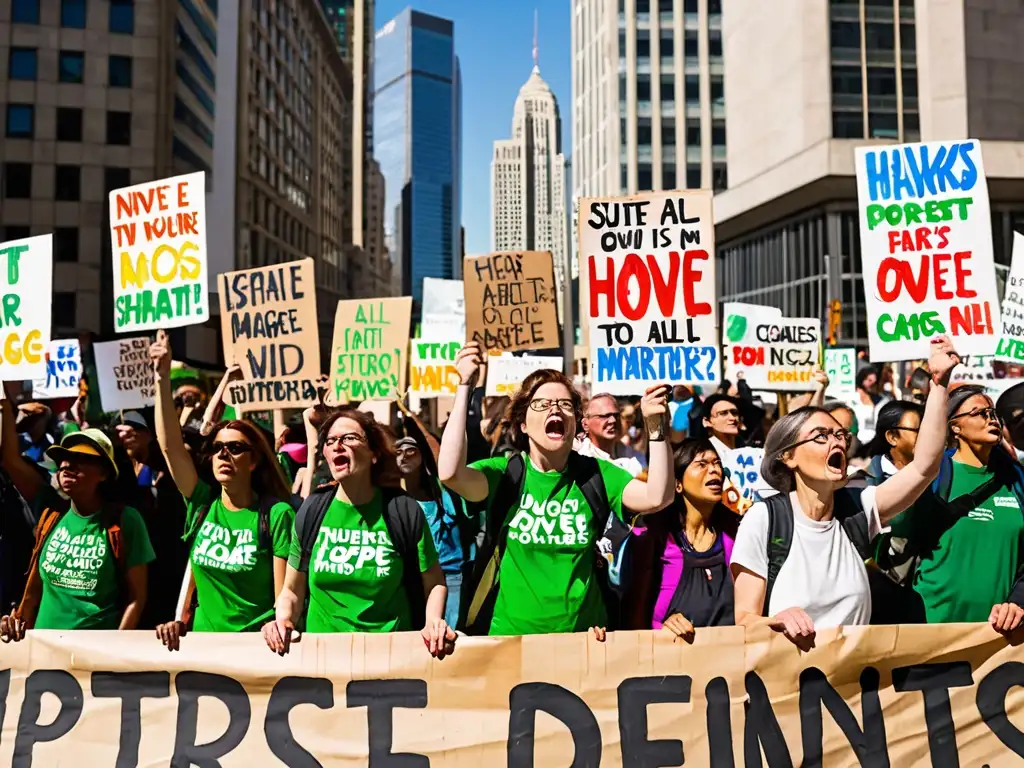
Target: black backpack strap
(506, 496)
(586, 474)
(264, 539)
(308, 520)
(847, 510)
(780, 540)
(405, 522)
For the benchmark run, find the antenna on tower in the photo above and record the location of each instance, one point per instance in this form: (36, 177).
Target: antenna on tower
(536, 49)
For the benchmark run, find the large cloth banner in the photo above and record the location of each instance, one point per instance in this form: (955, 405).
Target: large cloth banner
(926, 247)
(902, 696)
(650, 290)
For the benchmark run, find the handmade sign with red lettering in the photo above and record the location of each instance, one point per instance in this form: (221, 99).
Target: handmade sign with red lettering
(158, 238)
(649, 271)
(510, 301)
(1011, 345)
(926, 248)
(772, 352)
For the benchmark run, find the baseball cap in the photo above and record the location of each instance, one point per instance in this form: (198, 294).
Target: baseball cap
(88, 442)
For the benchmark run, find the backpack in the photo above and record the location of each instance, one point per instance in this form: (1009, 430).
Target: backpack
(846, 511)
(405, 522)
(482, 594)
(110, 519)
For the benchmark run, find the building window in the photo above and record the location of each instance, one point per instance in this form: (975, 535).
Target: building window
(643, 131)
(719, 178)
(25, 12)
(690, 45)
(22, 64)
(668, 132)
(715, 43)
(17, 232)
(72, 14)
(119, 71)
(666, 46)
(693, 133)
(64, 309)
(880, 36)
(689, 6)
(644, 177)
(624, 178)
(692, 89)
(643, 88)
(643, 44)
(67, 183)
(883, 125)
(65, 244)
(848, 125)
(622, 44)
(122, 16)
(845, 34)
(71, 67)
(693, 177)
(668, 88)
(717, 89)
(911, 126)
(17, 181)
(718, 133)
(714, 7)
(69, 124)
(668, 177)
(119, 128)
(20, 121)
(116, 178)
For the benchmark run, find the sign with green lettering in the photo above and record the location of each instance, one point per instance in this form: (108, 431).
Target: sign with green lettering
(26, 269)
(370, 350)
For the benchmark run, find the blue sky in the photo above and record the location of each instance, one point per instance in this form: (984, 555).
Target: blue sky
(494, 41)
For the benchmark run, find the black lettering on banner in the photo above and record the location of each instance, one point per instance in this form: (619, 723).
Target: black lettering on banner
(65, 687)
(380, 697)
(761, 729)
(992, 704)
(934, 681)
(288, 693)
(634, 694)
(131, 688)
(719, 723)
(526, 699)
(816, 692)
(192, 686)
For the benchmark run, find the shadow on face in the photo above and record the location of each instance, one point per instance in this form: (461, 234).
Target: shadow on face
(233, 457)
(976, 422)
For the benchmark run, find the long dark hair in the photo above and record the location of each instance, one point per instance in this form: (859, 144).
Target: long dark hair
(379, 439)
(268, 476)
(889, 417)
(520, 402)
(722, 519)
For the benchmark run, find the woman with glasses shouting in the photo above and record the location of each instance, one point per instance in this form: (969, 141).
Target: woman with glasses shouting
(239, 529)
(546, 505)
(975, 503)
(798, 562)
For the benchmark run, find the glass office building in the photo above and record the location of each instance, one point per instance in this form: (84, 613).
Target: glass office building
(417, 124)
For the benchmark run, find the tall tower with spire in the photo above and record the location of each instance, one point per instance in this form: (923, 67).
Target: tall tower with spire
(528, 184)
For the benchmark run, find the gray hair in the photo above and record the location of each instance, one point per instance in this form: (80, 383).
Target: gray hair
(781, 436)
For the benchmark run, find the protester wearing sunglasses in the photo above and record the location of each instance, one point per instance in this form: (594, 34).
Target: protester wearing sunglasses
(239, 530)
(799, 557)
(967, 529)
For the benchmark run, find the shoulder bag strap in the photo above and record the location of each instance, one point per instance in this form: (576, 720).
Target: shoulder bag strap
(780, 540)
(308, 520)
(28, 608)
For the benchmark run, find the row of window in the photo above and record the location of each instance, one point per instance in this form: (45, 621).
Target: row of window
(645, 177)
(67, 182)
(20, 124)
(668, 132)
(23, 64)
(74, 13)
(849, 124)
(667, 88)
(666, 44)
(666, 6)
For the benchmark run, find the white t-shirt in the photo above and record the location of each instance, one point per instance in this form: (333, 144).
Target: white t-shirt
(624, 456)
(823, 574)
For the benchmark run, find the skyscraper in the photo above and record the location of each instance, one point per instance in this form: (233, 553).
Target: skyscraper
(417, 141)
(528, 195)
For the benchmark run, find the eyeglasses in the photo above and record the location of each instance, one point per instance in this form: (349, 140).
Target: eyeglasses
(350, 439)
(988, 414)
(903, 429)
(821, 435)
(234, 447)
(604, 416)
(731, 413)
(544, 404)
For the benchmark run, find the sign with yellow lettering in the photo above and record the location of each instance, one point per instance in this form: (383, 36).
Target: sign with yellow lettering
(26, 272)
(158, 239)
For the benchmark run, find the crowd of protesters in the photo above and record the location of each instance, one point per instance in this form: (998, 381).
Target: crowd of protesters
(536, 513)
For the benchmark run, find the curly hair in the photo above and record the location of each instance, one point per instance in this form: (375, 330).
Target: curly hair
(520, 403)
(379, 438)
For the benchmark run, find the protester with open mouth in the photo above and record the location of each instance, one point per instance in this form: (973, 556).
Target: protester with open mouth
(239, 530)
(681, 578)
(547, 505)
(964, 533)
(799, 557)
(361, 548)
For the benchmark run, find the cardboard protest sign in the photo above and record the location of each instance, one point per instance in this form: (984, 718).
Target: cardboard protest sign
(63, 371)
(650, 283)
(432, 370)
(26, 305)
(510, 301)
(125, 374)
(926, 248)
(444, 310)
(158, 237)
(744, 467)
(774, 353)
(860, 696)
(370, 349)
(841, 368)
(269, 327)
(505, 373)
(1011, 343)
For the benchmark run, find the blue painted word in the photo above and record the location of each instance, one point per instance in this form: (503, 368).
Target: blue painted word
(675, 363)
(911, 171)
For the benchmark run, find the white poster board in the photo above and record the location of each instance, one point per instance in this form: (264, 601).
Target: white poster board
(63, 371)
(432, 371)
(773, 353)
(25, 307)
(1011, 344)
(505, 373)
(125, 374)
(444, 310)
(841, 368)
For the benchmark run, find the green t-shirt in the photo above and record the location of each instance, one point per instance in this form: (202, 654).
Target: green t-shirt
(79, 572)
(546, 580)
(234, 577)
(355, 574)
(962, 583)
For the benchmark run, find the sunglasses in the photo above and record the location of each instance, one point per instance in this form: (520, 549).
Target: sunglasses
(233, 447)
(988, 414)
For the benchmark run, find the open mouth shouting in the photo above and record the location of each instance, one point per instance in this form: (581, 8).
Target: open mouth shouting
(340, 464)
(836, 461)
(555, 428)
(714, 484)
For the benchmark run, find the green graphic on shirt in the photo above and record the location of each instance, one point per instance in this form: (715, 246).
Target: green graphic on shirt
(348, 551)
(224, 548)
(73, 562)
(549, 523)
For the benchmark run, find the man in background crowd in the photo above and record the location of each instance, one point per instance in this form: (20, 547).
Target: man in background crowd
(602, 428)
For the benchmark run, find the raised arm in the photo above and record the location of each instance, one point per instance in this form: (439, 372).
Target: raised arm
(312, 445)
(902, 489)
(24, 476)
(215, 406)
(657, 492)
(452, 469)
(168, 431)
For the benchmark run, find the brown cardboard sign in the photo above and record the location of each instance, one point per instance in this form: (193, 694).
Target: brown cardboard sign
(370, 352)
(511, 301)
(269, 327)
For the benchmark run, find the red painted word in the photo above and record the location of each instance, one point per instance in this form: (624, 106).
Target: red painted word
(683, 277)
(896, 277)
(919, 239)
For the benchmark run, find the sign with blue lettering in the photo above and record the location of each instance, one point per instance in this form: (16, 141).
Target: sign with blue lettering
(63, 371)
(649, 290)
(926, 248)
